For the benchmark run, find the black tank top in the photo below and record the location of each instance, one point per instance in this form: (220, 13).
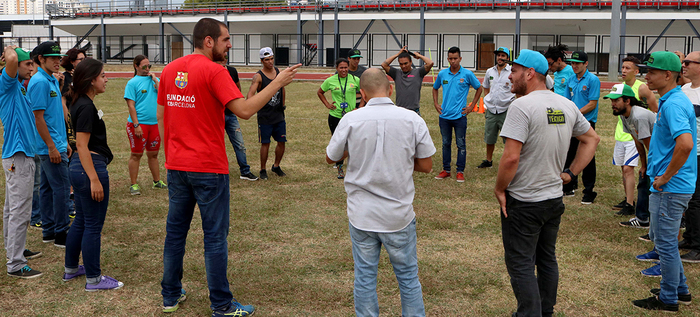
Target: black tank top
(273, 111)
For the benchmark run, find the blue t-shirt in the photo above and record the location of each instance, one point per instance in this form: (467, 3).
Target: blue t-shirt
(583, 90)
(676, 116)
(17, 118)
(140, 89)
(561, 81)
(45, 94)
(455, 89)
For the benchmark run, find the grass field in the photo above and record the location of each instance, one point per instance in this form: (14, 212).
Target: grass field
(289, 249)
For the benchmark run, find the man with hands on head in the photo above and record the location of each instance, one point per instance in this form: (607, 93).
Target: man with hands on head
(409, 79)
(537, 130)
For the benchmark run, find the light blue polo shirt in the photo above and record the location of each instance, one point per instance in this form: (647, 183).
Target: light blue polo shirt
(583, 90)
(140, 89)
(45, 94)
(561, 81)
(17, 118)
(455, 89)
(676, 116)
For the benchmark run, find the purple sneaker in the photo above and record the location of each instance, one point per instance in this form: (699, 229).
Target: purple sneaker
(107, 283)
(81, 271)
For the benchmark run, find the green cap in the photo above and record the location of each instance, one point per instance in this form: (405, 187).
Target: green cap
(578, 57)
(354, 54)
(22, 54)
(663, 61)
(620, 90)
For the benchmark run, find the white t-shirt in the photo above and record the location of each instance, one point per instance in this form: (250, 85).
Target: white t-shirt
(382, 141)
(499, 97)
(545, 123)
(694, 96)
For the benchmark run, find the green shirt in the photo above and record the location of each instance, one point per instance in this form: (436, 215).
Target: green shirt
(351, 84)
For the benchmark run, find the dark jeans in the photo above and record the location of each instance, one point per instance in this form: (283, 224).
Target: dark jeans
(211, 193)
(233, 130)
(692, 218)
(54, 193)
(332, 124)
(589, 172)
(460, 129)
(85, 234)
(36, 211)
(529, 239)
(642, 209)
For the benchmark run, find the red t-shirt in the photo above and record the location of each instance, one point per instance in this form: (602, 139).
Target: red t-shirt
(194, 91)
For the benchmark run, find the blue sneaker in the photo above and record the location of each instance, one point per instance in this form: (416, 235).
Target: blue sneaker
(654, 271)
(236, 310)
(173, 308)
(649, 256)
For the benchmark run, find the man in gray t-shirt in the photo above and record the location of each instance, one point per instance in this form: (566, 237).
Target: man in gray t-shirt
(408, 79)
(538, 129)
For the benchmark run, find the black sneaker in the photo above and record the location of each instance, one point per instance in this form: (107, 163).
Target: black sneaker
(31, 255)
(60, 240)
(620, 205)
(683, 222)
(653, 303)
(26, 272)
(635, 223)
(588, 198)
(570, 193)
(49, 239)
(691, 257)
(485, 164)
(684, 244)
(645, 238)
(36, 225)
(263, 174)
(628, 210)
(684, 299)
(278, 170)
(249, 176)
(72, 214)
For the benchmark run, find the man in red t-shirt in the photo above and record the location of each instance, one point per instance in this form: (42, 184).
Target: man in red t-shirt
(192, 96)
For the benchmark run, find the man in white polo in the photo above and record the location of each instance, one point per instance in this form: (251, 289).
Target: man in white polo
(498, 97)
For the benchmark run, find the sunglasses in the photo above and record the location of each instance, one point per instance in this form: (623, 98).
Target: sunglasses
(687, 62)
(146, 67)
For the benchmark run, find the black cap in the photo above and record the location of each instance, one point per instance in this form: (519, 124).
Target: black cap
(354, 54)
(579, 57)
(48, 48)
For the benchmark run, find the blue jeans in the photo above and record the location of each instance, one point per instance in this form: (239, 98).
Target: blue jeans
(233, 130)
(211, 193)
(460, 128)
(86, 232)
(36, 211)
(54, 195)
(666, 210)
(401, 247)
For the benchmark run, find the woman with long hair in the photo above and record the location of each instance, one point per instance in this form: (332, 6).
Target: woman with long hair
(89, 177)
(344, 89)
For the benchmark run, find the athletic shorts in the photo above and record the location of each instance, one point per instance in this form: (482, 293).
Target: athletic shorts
(150, 140)
(625, 154)
(493, 123)
(277, 131)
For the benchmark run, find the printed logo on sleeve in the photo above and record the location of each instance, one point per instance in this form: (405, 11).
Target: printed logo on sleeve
(24, 91)
(143, 91)
(53, 94)
(181, 80)
(555, 116)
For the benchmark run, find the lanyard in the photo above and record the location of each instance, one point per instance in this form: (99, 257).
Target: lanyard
(342, 90)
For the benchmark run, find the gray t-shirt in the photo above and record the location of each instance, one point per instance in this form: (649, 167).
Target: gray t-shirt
(358, 73)
(694, 96)
(545, 123)
(408, 86)
(640, 123)
(379, 178)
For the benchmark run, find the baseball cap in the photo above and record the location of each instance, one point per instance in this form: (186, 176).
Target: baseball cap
(22, 54)
(663, 61)
(532, 59)
(266, 52)
(502, 49)
(354, 53)
(48, 48)
(578, 56)
(620, 90)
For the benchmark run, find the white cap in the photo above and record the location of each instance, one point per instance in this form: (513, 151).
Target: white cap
(266, 52)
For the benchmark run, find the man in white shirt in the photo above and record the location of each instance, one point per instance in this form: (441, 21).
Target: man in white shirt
(498, 97)
(691, 236)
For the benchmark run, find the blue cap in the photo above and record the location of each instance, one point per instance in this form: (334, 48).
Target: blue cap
(502, 50)
(532, 59)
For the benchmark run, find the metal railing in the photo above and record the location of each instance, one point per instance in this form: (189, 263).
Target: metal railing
(155, 7)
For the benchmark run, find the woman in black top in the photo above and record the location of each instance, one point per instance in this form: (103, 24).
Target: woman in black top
(89, 177)
(73, 57)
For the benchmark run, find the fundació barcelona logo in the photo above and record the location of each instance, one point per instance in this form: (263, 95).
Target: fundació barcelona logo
(181, 80)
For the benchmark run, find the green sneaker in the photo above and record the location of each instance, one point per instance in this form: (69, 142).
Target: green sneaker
(172, 309)
(160, 185)
(135, 189)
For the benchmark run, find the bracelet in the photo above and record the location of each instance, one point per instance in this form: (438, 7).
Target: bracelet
(568, 171)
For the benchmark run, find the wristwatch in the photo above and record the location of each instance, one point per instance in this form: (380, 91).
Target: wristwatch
(136, 125)
(568, 171)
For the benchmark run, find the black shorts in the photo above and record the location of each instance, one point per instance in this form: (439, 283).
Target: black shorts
(277, 131)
